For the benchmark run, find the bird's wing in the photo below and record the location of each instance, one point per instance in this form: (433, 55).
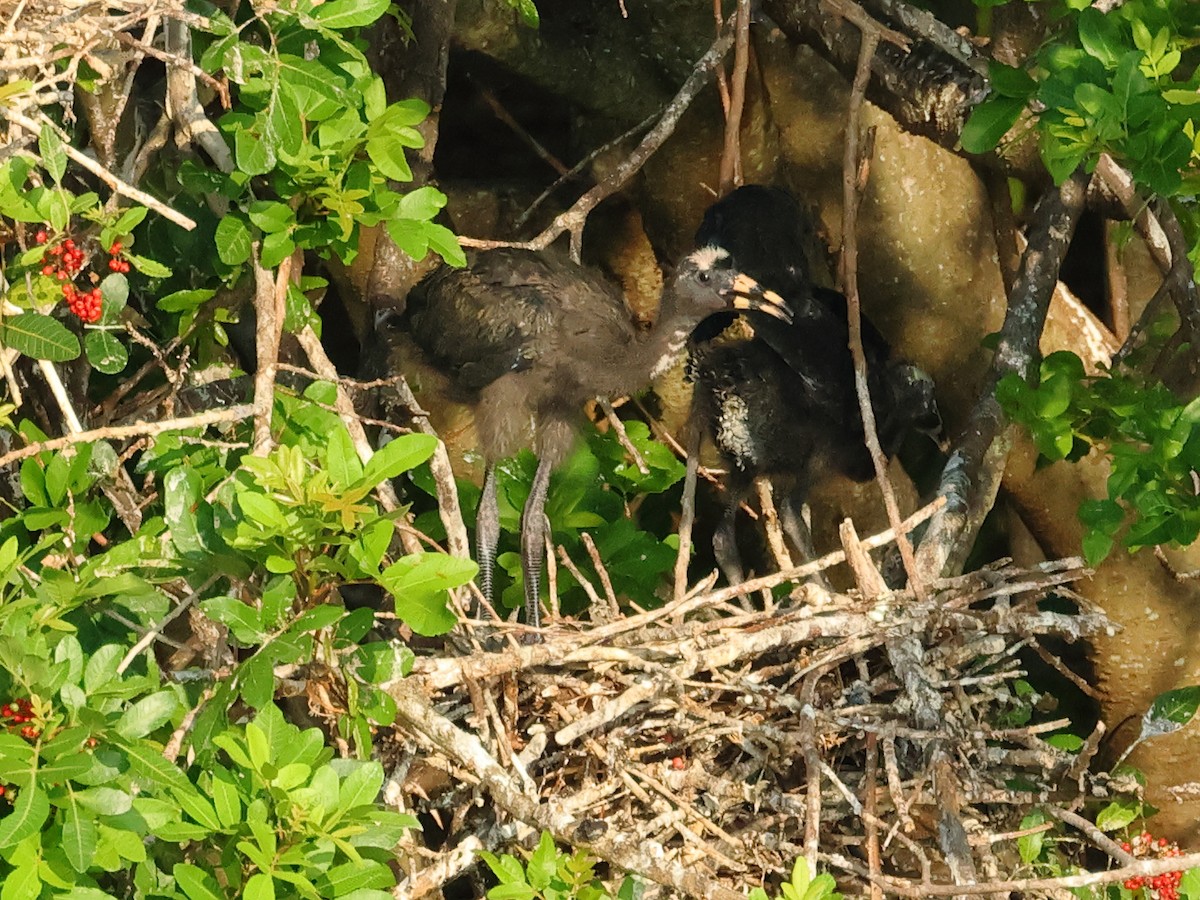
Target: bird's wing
(484, 321)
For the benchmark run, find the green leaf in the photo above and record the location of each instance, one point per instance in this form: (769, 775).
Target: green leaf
(397, 456)
(271, 216)
(1171, 711)
(198, 808)
(543, 864)
(78, 839)
(184, 301)
(1096, 546)
(151, 268)
(54, 154)
(129, 220)
(181, 497)
(343, 14)
(233, 241)
(418, 583)
(291, 776)
(22, 883)
(105, 352)
(388, 157)
(282, 123)
(341, 459)
(1189, 885)
(1008, 81)
(150, 765)
(105, 801)
(989, 122)
(196, 883)
(147, 714)
(54, 206)
(243, 620)
(39, 336)
(343, 880)
(1030, 845)
(361, 787)
(261, 886)
(1116, 816)
(514, 890)
(404, 114)
(445, 244)
(317, 618)
(390, 133)
(29, 813)
(423, 203)
(1071, 743)
(527, 11)
(263, 510)
(259, 746)
(1101, 36)
(276, 248)
(254, 155)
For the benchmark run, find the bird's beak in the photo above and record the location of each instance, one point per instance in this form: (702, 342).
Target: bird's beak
(746, 293)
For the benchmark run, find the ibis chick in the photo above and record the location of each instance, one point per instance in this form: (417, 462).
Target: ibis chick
(528, 338)
(782, 404)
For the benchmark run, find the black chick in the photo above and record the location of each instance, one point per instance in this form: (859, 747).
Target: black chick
(528, 338)
(782, 404)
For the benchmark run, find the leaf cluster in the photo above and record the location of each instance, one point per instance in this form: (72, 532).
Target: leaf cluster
(550, 874)
(1151, 437)
(1122, 82)
(594, 492)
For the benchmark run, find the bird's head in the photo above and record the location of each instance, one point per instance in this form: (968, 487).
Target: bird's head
(707, 282)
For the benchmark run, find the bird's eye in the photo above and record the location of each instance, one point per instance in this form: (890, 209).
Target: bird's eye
(704, 277)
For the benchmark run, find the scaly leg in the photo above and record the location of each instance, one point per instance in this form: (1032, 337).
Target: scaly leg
(791, 517)
(533, 542)
(725, 547)
(487, 532)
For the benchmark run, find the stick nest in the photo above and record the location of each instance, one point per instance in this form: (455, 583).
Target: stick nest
(707, 747)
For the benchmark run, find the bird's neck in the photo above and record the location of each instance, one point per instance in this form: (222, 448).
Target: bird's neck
(663, 347)
(646, 356)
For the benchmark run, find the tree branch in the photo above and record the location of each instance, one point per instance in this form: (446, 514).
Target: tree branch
(972, 475)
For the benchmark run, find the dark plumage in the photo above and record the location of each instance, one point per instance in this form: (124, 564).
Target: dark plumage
(528, 338)
(782, 404)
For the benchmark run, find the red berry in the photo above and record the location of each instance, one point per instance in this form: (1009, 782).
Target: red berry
(115, 248)
(677, 763)
(68, 244)
(3, 790)
(41, 237)
(114, 265)
(124, 266)
(5, 710)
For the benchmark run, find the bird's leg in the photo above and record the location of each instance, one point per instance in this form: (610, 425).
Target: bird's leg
(533, 542)
(487, 532)
(725, 547)
(791, 517)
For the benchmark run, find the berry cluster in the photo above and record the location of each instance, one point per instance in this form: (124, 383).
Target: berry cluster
(20, 712)
(1160, 887)
(63, 261)
(86, 304)
(116, 264)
